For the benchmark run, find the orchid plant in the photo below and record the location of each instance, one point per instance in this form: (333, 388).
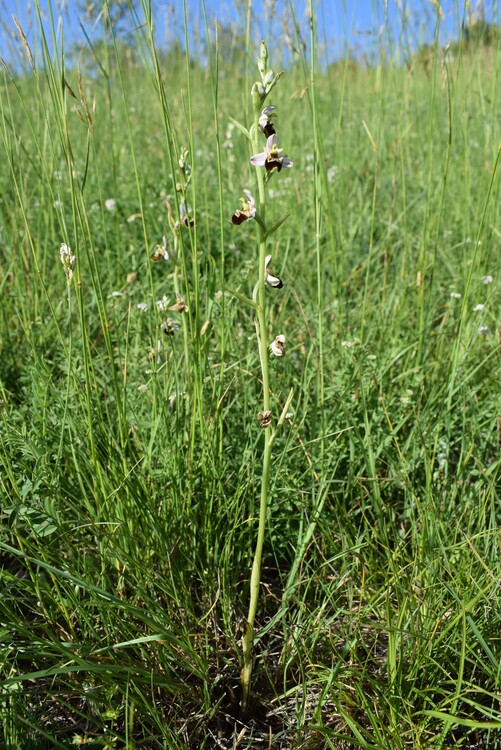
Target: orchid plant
(273, 159)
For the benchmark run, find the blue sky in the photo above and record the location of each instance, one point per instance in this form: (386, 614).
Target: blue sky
(359, 24)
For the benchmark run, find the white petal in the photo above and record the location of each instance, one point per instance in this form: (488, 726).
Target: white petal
(274, 281)
(287, 162)
(258, 160)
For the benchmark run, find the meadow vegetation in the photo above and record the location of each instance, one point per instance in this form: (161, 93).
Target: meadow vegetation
(130, 451)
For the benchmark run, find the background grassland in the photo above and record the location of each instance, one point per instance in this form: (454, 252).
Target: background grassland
(129, 476)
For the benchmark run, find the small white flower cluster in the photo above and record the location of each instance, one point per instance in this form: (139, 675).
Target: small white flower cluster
(68, 260)
(332, 173)
(349, 344)
(162, 304)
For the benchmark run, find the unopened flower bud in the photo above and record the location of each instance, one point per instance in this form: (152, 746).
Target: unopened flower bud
(263, 55)
(268, 78)
(257, 93)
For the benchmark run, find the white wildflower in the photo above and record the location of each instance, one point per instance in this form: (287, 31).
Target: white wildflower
(68, 260)
(349, 344)
(162, 304)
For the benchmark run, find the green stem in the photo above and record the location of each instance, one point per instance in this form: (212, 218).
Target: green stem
(262, 335)
(248, 637)
(177, 290)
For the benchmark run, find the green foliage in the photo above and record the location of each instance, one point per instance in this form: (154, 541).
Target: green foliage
(129, 473)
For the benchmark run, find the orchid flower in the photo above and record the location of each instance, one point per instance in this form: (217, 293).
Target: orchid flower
(161, 252)
(180, 305)
(169, 327)
(272, 157)
(265, 121)
(184, 217)
(248, 210)
(270, 278)
(277, 346)
(265, 418)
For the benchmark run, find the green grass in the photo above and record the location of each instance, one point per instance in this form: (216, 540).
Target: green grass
(130, 477)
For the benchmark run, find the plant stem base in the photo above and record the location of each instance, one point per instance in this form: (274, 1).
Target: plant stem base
(246, 673)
